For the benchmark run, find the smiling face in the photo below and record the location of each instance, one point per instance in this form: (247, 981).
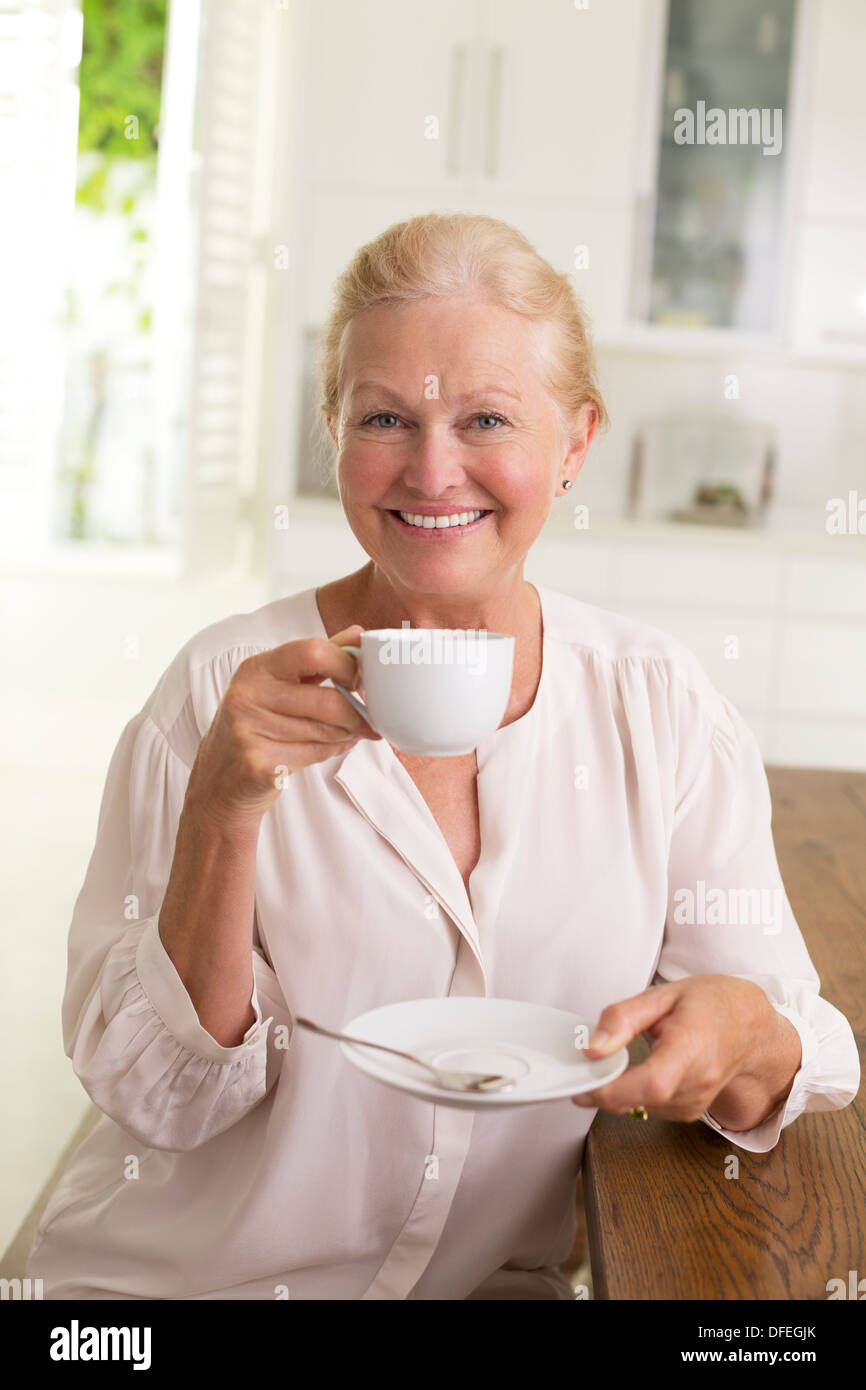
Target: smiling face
(445, 414)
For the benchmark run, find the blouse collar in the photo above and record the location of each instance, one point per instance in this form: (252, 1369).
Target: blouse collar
(382, 791)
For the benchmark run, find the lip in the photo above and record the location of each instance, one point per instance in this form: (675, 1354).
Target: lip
(440, 532)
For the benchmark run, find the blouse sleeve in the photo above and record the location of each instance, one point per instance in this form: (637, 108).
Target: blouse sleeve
(728, 913)
(129, 1025)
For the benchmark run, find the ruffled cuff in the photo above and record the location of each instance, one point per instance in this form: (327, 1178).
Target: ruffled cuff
(166, 991)
(145, 1059)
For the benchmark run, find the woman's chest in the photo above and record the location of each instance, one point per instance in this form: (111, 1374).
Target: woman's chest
(356, 898)
(449, 786)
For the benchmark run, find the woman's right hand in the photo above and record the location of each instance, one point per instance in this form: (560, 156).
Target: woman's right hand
(275, 718)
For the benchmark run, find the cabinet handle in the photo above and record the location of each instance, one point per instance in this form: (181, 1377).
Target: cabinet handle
(494, 111)
(455, 108)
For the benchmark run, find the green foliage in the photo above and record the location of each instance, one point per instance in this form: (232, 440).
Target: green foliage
(120, 76)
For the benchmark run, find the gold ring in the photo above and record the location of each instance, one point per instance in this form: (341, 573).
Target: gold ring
(638, 1113)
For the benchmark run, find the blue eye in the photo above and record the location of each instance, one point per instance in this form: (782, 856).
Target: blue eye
(486, 415)
(382, 415)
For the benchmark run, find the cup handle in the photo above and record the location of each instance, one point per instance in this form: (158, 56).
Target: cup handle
(353, 699)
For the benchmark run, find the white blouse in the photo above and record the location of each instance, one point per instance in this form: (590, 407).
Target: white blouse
(273, 1171)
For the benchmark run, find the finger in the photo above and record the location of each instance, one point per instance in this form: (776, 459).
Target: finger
(621, 1022)
(314, 659)
(657, 1083)
(350, 636)
(322, 705)
(284, 730)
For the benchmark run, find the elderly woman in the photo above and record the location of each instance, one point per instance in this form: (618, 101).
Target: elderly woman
(238, 1157)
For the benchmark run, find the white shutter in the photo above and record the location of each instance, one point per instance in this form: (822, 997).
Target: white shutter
(230, 171)
(40, 48)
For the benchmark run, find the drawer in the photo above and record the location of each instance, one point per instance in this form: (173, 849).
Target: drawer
(823, 668)
(715, 577)
(580, 567)
(833, 743)
(825, 586)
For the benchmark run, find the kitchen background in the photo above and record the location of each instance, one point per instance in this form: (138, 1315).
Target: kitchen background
(181, 182)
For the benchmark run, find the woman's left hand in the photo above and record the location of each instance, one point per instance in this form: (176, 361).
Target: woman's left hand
(716, 1038)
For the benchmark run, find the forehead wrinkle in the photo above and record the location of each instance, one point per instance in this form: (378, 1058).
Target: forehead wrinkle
(491, 388)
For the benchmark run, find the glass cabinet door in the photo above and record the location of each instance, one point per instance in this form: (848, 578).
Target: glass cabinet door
(722, 156)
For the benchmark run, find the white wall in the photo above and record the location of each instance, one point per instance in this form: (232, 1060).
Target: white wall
(69, 688)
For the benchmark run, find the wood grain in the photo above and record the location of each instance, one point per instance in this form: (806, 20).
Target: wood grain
(663, 1220)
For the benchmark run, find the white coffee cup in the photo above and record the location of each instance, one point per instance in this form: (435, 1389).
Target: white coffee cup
(434, 692)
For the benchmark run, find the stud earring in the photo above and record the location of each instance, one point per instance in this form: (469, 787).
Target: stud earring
(566, 482)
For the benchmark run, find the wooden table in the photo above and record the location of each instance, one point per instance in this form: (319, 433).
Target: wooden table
(663, 1221)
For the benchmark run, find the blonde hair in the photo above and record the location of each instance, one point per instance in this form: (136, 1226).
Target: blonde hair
(451, 253)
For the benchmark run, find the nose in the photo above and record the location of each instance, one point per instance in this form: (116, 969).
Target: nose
(433, 465)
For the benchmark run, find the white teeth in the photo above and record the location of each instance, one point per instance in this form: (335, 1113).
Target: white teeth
(439, 522)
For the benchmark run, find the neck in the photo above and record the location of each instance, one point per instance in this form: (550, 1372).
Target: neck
(368, 597)
(378, 602)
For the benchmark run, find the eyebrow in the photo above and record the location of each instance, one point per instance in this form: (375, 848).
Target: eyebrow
(381, 389)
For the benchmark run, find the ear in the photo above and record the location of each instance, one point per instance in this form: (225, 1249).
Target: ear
(579, 441)
(332, 427)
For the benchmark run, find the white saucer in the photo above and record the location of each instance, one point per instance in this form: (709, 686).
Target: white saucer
(533, 1044)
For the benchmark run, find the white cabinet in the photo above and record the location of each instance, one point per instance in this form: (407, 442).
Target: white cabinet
(590, 240)
(829, 306)
(380, 75)
(829, 274)
(338, 223)
(813, 585)
(719, 602)
(813, 656)
(560, 99)
(711, 579)
(835, 188)
(546, 115)
(582, 567)
(537, 108)
(803, 743)
(535, 99)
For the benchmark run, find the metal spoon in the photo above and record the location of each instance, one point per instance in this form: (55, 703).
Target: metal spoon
(451, 1080)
